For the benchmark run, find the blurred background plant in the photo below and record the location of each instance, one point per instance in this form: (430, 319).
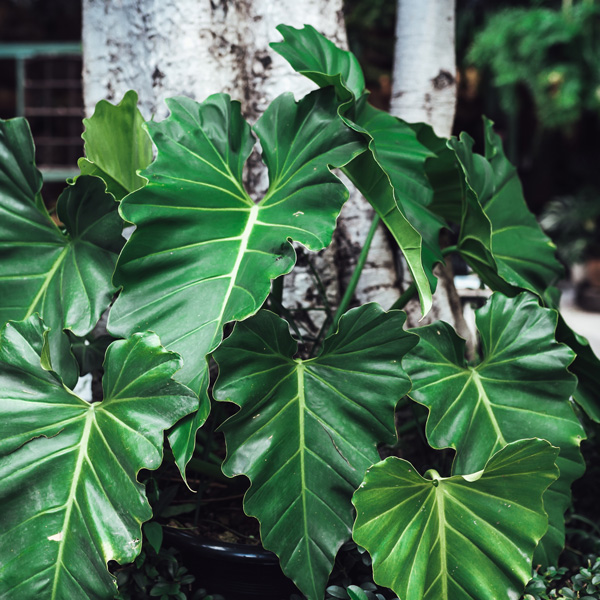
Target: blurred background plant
(552, 53)
(574, 224)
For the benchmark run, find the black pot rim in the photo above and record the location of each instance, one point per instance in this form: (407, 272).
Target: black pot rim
(216, 548)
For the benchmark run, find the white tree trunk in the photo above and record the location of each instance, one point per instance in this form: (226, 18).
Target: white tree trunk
(199, 47)
(424, 78)
(424, 90)
(195, 48)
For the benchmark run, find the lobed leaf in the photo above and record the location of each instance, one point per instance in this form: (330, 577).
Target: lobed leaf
(314, 56)
(63, 276)
(117, 146)
(465, 537)
(391, 175)
(499, 238)
(203, 253)
(308, 429)
(444, 174)
(521, 388)
(70, 497)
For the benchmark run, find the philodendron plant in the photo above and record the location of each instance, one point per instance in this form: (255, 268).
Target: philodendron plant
(203, 254)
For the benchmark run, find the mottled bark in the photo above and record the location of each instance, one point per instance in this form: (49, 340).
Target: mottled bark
(199, 47)
(424, 90)
(195, 48)
(424, 79)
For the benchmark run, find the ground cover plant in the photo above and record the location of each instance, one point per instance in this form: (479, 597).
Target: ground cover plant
(204, 254)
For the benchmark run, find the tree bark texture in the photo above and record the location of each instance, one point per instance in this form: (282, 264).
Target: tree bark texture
(424, 77)
(424, 90)
(199, 47)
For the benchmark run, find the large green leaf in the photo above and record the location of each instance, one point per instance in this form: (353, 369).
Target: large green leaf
(499, 236)
(116, 145)
(65, 277)
(444, 174)
(398, 159)
(466, 537)
(203, 252)
(70, 498)
(391, 176)
(314, 56)
(520, 389)
(307, 429)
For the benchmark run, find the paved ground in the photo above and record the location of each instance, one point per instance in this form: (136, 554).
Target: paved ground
(583, 322)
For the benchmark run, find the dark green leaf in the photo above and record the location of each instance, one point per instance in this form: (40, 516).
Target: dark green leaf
(520, 389)
(116, 146)
(337, 592)
(65, 277)
(203, 253)
(154, 534)
(70, 498)
(307, 430)
(356, 593)
(443, 173)
(391, 176)
(466, 537)
(90, 351)
(499, 237)
(319, 59)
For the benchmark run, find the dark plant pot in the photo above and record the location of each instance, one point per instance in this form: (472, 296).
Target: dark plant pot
(235, 571)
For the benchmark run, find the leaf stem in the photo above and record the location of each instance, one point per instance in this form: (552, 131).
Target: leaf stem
(405, 298)
(411, 425)
(433, 475)
(207, 468)
(411, 290)
(285, 313)
(360, 263)
(212, 425)
(320, 287)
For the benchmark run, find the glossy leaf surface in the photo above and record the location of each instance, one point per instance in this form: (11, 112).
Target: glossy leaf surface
(307, 430)
(204, 253)
(116, 146)
(70, 498)
(466, 537)
(444, 174)
(499, 237)
(65, 277)
(391, 176)
(402, 160)
(520, 389)
(314, 56)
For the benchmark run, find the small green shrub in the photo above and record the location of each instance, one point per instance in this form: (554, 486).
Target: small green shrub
(582, 583)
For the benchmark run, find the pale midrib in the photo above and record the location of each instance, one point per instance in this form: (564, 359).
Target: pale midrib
(302, 442)
(483, 399)
(252, 218)
(90, 417)
(57, 263)
(442, 535)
